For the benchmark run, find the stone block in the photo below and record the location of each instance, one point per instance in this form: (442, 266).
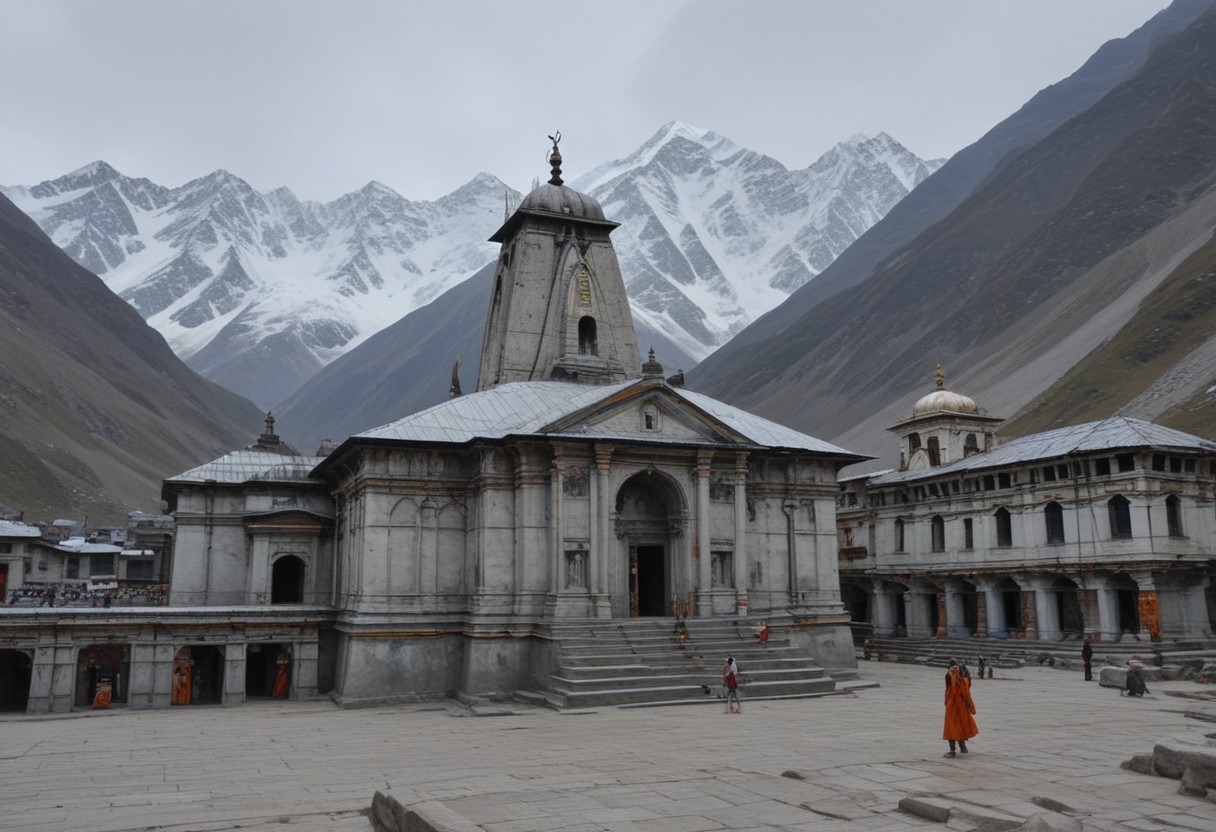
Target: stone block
(1139, 763)
(981, 819)
(935, 809)
(1052, 822)
(1193, 761)
(1112, 676)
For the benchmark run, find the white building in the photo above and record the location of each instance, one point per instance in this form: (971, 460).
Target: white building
(1102, 529)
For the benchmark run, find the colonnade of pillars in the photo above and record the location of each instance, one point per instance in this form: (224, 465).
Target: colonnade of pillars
(1035, 607)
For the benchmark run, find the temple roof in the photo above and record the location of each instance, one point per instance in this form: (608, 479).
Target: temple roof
(1115, 433)
(535, 407)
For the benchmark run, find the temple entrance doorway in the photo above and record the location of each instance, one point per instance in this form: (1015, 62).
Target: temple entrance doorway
(16, 671)
(268, 671)
(1128, 593)
(650, 518)
(98, 665)
(647, 581)
(198, 676)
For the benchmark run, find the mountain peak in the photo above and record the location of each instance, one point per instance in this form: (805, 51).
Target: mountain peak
(98, 171)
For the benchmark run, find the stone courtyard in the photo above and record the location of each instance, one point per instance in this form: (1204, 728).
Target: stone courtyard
(843, 762)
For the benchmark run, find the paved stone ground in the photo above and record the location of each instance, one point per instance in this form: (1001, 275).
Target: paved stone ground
(309, 766)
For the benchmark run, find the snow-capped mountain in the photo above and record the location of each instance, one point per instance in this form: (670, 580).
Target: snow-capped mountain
(713, 235)
(259, 291)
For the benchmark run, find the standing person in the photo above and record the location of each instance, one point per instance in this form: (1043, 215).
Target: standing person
(980, 664)
(1087, 658)
(730, 679)
(959, 725)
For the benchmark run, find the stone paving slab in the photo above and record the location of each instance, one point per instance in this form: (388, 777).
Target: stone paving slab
(1045, 733)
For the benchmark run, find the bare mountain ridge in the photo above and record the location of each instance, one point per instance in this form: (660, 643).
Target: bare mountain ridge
(1112, 201)
(97, 408)
(961, 175)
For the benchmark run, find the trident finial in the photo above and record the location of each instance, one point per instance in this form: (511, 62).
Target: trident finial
(941, 377)
(555, 159)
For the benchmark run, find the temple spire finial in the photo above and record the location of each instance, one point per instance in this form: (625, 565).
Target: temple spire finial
(555, 160)
(941, 377)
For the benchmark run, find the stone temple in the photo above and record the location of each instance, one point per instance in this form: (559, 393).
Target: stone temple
(451, 552)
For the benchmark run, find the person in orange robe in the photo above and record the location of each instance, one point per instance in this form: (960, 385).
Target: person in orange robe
(282, 665)
(959, 726)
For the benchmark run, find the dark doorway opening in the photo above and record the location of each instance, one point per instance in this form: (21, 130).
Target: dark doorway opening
(198, 676)
(16, 671)
(649, 571)
(268, 671)
(99, 664)
(1068, 607)
(857, 602)
(287, 580)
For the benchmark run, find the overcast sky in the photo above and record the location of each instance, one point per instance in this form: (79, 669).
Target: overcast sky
(422, 95)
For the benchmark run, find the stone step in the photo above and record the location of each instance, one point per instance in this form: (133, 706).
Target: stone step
(712, 679)
(573, 698)
(593, 671)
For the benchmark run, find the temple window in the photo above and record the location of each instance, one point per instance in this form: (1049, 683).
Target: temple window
(1004, 528)
(1120, 513)
(1053, 516)
(937, 527)
(1173, 515)
(587, 344)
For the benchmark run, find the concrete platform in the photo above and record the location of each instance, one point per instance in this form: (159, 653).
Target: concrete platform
(838, 763)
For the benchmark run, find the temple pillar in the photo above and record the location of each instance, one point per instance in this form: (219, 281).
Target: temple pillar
(1028, 607)
(740, 553)
(955, 620)
(916, 610)
(602, 538)
(1046, 610)
(884, 613)
(701, 546)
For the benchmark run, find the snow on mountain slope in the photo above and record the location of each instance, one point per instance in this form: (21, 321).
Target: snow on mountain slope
(215, 262)
(259, 291)
(713, 235)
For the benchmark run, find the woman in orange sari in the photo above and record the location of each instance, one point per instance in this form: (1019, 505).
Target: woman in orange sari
(959, 726)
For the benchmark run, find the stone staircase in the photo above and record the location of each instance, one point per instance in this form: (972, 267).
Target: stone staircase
(638, 662)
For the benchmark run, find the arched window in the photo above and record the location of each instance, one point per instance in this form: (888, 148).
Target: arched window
(287, 580)
(970, 445)
(1053, 514)
(937, 527)
(899, 535)
(1004, 528)
(913, 442)
(935, 451)
(1173, 515)
(1120, 516)
(587, 344)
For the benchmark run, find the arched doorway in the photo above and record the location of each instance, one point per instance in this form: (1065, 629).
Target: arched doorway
(16, 671)
(856, 598)
(648, 517)
(287, 580)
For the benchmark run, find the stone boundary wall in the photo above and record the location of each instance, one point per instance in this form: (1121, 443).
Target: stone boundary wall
(388, 815)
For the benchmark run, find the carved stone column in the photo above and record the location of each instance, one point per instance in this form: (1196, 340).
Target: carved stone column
(606, 540)
(740, 554)
(701, 546)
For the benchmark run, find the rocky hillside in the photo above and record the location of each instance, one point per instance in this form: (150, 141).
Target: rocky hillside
(97, 409)
(1063, 249)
